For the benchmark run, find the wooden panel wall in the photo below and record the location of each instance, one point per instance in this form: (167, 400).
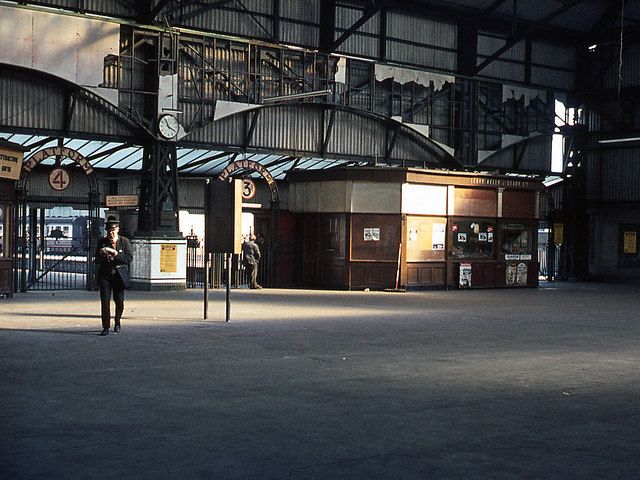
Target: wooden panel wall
(518, 204)
(385, 249)
(476, 202)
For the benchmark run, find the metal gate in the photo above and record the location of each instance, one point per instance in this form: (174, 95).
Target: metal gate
(55, 253)
(217, 277)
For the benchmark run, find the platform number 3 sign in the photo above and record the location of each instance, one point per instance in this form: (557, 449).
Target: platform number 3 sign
(59, 179)
(248, 189)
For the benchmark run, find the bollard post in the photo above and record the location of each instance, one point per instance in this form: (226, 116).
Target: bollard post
(207, 266)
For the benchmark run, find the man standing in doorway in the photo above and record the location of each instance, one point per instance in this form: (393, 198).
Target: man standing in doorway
(251, 257)
(113, 257)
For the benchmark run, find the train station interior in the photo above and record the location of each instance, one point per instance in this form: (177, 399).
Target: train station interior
(428, 183)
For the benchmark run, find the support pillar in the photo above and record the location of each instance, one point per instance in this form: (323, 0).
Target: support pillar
(159, 249)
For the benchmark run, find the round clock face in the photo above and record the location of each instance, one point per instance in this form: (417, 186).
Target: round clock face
(168, 126)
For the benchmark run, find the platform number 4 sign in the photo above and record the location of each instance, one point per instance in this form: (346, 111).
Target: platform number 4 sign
(59, 179)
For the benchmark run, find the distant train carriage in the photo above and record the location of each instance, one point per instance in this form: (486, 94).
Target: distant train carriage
(65, 234)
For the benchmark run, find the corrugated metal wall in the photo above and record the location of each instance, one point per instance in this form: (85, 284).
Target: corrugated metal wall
(421, 41)
(509, 66)
(365, 42)
(613, 175)
(553, 64)
(32, 100)
(20, 94)
(120, 8)
(255, 21)
(289, 129)
(630, 68)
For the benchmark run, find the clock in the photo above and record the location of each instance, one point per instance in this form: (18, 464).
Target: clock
(168, 126)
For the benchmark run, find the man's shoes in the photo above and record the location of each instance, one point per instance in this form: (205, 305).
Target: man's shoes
(105, 331)
(256, 287)
(116, 329)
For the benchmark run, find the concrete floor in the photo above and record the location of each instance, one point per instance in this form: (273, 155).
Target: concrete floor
(494, 384)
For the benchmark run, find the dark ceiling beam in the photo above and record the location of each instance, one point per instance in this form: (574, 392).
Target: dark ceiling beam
(489, 21)
(279, 161)
(493, 6)
(607, 18)
(204, 7)
(105, 153)
(370, 10)
(157, 8)
(327, 25)
(517, 37)
(605, 31)
(199, 162)
(39, 143)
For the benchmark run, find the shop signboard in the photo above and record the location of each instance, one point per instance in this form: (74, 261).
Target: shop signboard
(10, 163)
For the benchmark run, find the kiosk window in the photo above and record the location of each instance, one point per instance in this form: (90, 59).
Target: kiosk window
(472, 239)
(516, 239)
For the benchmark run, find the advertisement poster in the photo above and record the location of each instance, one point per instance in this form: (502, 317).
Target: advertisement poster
(168, 257)
(437, 236)
(521, 275)
(465, 275)
(371, 234)
(630, 242)
(558, 233)
(10, 163)
(510, 279)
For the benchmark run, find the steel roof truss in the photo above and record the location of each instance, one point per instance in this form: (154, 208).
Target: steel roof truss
(514, 38)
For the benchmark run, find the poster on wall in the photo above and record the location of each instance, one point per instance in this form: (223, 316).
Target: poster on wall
(10, 163)
(630, 242)
(558, 233)
(168, 257)
(510, 279)
(521, 275)
(465, 275)
(372, 234)
(437, 236)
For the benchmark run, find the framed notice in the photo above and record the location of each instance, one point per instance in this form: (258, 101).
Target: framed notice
(114, 201)
(465, 275)
(630, 241)
(558, 233)
(437, 236)
(628, 251)
(10, 163)
(372, 234)
(168, 258)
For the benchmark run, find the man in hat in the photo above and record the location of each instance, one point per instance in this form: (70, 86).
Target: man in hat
(113, 257)
(251, 257)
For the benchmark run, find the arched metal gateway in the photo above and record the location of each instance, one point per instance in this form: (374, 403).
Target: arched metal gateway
(56, 252)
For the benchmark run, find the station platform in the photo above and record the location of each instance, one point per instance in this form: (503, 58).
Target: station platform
(477, 384)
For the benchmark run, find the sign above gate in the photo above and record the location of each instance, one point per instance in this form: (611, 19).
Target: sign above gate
(39, 156)
(10, 162)
(251, 165)
(121, 200)
(59, 179)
